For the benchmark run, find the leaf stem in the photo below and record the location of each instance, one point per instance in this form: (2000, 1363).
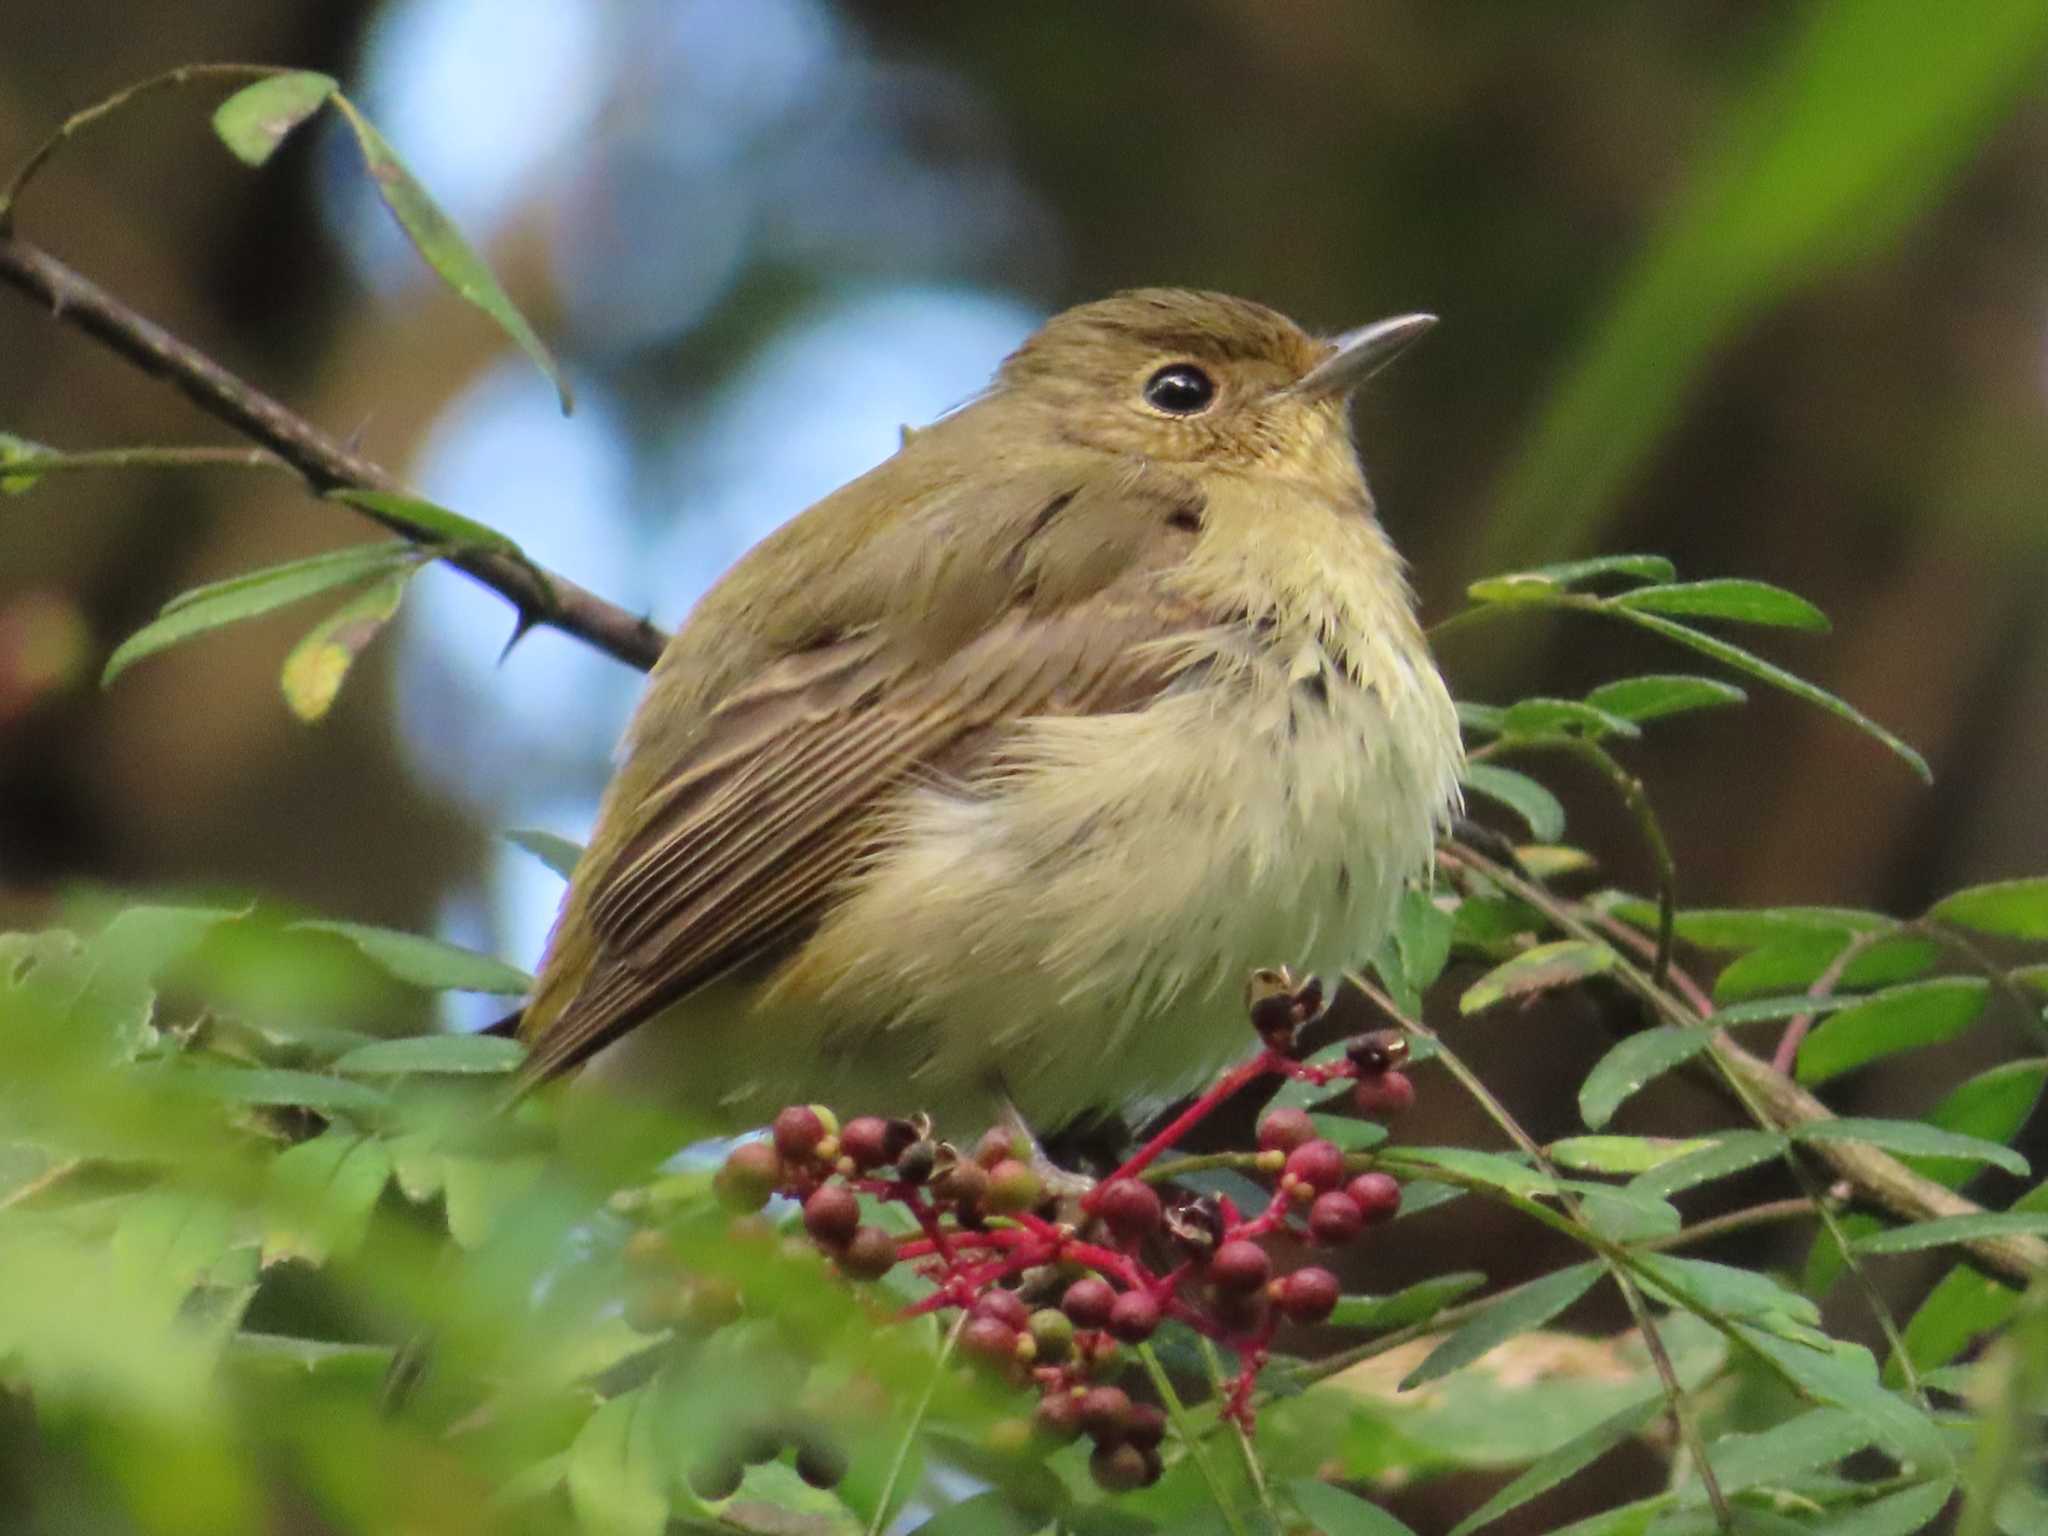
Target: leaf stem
(1177, 1411)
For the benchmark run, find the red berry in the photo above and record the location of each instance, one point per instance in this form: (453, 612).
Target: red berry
(866, 1141)
(1285, 1129)
(869, 1254)
(797, 1132)
(748, 1176)
(1147, 1426)
(1385, 1096)
(1318, 1164)
(990, 1339)
(1105, 1414)
(1335, 1218)
(831, 1215)
(1240, 1265)
(1012, 1186)
(1058, 1416)
(1004, 1306)
(1308, 1295)
(1135, 1317)
(1119, 1468)
(1131, 1210)
(1378, 1196)
(1088, 1302)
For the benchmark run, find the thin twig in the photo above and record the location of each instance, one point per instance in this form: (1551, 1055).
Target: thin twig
(539, 597)
(35, 465)
(880, 1519)
(1786, 1057)
(1177, 1411)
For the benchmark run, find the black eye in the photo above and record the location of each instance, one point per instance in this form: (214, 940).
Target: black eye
(1180, 389)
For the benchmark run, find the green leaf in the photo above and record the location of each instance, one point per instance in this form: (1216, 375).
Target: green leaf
(558, 853)
(1556, 964)
(1901, 1019)
(434, 1053)
(1624, 1216)
(258, 592)
(437, 239)
(1348, 1134)
(1905, 1513)
(1334, 1512)
(1800, 962)
(1725, 1291)
(1576, 1454)
(617, 1478)
(16, 452)
(1621, 1154)
(1570, 573)
(1507, 591)
(1818, 1438)
(1540, 717)
(442, 526)
(429, 963)
(1728, 928)
(1489, 1169)
(1716, 1159)
(1844, 1376)
(1411, 1304)
(1744, 602)
(1422, 934)
(322, 1193)
(1653, 696)
(1518, 1311)
(1618, 1075)
(257, 118)
(1761, 1010)
(2011, 909)
(988, 1513)
(1912, 1136)
(272, 1085)
(314, 670)
(1955, 1229)
(1964, 1307)
(1993, 1105)
(1746, 661)
(1521, 794)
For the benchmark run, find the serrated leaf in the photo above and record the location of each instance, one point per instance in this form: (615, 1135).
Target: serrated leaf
(1557, 964)
(1716, 1159)
(314, 671)
(446, 528)
(617, 1478)
(258, 592)
(434, 1053)
(1955, 1229)
(2011, 909)
(1568, 573)
(558, 853)
(1576, 1454)
(1621, 1154)
(1743, 602)
(1912, 1136)
(1536, 805)
(1653, 696)
(1618, 1075)
(436, 238)
(1902, 1019)
(1411, 1304)
(1993, 1105)
(1539, 717)
(1800, 962)
(1334, 1512)
(259, 117)
(1818, 1438)
(1517, 1312)
(423, 962)
(322, 1193)
(1755, 666)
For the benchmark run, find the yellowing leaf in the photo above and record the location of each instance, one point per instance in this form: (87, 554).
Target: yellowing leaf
(314, 670)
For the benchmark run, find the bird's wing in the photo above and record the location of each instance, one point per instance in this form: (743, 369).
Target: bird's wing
(736, 850)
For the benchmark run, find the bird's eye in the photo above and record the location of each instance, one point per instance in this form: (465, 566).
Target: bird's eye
(1180, 389)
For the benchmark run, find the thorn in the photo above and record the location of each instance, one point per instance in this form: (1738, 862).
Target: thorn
(521, 625)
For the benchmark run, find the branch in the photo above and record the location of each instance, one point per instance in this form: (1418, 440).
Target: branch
(540, 597)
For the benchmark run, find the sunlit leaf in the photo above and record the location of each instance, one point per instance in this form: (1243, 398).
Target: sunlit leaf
(1654, 696)
(1529, 1307)
(1620, 1154)
(314, 671)
(258, 118)
(1521, 794)
(1912, 1136)
(1717, 1159)
(1632, 1062)
(466, 1054)
(1901, 1019)
(430, 963)
(1571, 573)
(1744, 602)
(437, 239)
(616, 1475)
(1557, 964)
(2011, 909)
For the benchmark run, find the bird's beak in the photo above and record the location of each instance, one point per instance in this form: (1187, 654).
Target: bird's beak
(1357, 355)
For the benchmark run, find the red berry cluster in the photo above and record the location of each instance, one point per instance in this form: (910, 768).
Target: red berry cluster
(1049, 1293)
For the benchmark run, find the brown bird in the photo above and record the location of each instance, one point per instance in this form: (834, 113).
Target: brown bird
(985, 781)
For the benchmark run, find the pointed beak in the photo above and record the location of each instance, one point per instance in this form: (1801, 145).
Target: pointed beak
(1357, 355)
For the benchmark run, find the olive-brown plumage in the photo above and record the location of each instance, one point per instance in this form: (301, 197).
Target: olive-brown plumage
(988, 777)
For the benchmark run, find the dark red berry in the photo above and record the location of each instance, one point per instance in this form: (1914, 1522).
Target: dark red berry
(989, 1339)
(748, 1176)
(869, 1254)
(1378, 1196)
(1012, 1186)
(1147, 1426)
(1318, 1164)
(1240, 1265)
(866, 1141)
(797, 1132)
(831, 1215)
(1307, 1296)
(1058, 1417)
(1130, 1210)
(1285, 1129)
(1004, 1306)
(1105, 1414)
(1385, 1096)
(1088, 1302)
(820, 1462)
(1119, 1468)
(1335, 1218)
(1134, 1318)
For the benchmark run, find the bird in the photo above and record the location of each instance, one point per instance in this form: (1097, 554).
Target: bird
(978, 788)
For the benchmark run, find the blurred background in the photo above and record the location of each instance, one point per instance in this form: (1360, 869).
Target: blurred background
(1761, 288)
